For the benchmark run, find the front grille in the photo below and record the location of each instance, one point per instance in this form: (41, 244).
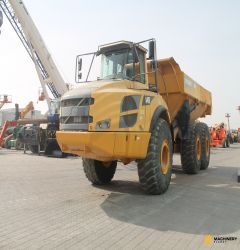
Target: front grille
(77, 102)
(76, 119)
(75, 114)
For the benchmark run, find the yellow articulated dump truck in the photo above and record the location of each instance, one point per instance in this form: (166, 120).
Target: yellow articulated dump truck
(139, 109)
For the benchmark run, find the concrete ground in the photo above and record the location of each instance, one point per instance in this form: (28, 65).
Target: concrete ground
(47, 203)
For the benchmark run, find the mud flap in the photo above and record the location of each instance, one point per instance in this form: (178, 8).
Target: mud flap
(183, 118)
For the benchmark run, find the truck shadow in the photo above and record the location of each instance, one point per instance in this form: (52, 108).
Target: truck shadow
(197, 204)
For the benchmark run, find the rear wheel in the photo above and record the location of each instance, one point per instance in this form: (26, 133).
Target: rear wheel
(98, 172)
(191, 150)
(156, 169)
(205, 144)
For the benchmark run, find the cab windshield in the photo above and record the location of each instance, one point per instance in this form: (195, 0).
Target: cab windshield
(122, 64)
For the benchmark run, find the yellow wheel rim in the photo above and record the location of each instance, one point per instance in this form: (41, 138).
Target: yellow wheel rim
(165, 157)
(198, 148)
(207, 147)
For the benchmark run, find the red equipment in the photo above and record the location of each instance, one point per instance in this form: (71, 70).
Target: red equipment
(219, 136)
(4, 129)
(41, 95)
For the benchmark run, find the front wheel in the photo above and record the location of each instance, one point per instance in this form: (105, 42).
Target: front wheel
(99, 172)
(156, 169)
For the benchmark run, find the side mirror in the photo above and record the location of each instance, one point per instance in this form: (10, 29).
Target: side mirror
(80, 64)
(153, 58)
(152, 50)
(153, 54)
(78, 73)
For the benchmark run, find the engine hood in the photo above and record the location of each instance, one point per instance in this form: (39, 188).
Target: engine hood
(85, 89)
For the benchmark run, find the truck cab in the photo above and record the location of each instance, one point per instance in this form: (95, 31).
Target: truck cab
(122, 60)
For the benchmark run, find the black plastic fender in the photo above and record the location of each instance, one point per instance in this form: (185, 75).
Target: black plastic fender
(157, 113)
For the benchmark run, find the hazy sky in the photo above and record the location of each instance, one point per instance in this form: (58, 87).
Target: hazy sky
(203, 37)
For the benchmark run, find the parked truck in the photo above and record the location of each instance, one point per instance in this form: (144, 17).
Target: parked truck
(140, 109)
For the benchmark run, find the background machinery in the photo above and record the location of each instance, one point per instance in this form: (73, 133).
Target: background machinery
(11, 133)
(49, 76)
(140, 109)
(29, 107)
(219, 136)
(5, 99)
(235, 135)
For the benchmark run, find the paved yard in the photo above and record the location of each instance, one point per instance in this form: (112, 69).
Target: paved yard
(47, 203)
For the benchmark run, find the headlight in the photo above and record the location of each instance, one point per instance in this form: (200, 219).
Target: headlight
(103, 124)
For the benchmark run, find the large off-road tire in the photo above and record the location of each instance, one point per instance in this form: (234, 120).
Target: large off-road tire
(191, 150)
(205, 145)
(156, 169)
(97, 172)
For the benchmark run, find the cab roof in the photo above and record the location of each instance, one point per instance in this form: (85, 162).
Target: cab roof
(118, 46)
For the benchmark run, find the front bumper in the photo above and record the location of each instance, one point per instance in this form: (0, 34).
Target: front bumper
(105, 146)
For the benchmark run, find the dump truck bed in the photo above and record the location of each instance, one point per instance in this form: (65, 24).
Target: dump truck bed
(175, 86)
